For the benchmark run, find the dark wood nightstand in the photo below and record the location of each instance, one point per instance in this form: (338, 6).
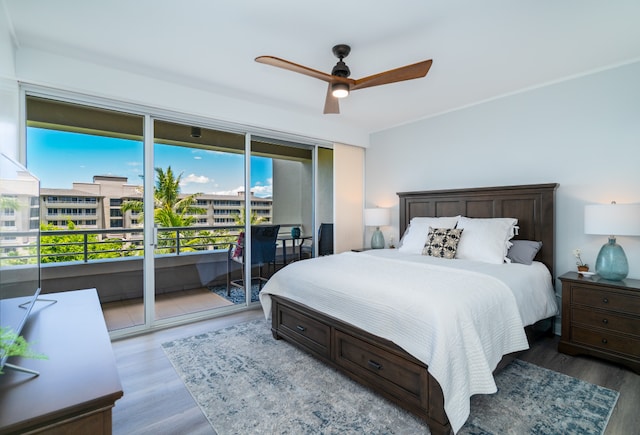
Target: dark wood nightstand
(601, 318)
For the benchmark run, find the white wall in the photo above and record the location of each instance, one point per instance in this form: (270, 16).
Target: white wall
(7, 49)
(348, 196)
(9, 109)
(583, 134)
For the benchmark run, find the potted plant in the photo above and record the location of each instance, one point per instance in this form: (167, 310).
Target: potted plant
(582, 267)
(12, 344)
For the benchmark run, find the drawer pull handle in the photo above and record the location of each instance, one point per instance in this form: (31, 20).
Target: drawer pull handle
(605, 301)
(605, 321)
(604, 341)
(301, 328)
(375, 365)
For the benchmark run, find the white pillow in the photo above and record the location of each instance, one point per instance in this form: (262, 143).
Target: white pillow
(485, 239)
(415, 236)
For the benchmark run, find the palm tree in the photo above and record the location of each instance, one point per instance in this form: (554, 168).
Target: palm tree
(169, 209)
(241, 218)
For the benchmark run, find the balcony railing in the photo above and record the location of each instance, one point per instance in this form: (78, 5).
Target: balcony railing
(84, 245)
(111, 260)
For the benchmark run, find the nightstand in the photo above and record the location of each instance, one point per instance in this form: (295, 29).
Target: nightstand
(601, 318)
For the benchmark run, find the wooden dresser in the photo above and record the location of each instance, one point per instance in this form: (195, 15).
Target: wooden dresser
(601, 318)
(78, 383)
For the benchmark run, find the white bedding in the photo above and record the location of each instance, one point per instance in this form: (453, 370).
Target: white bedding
(459, 317)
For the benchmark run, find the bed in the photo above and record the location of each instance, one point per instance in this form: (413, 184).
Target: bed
(408, 327)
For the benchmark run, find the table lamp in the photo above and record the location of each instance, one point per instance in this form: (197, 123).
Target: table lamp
(377, 217)
(612, 220)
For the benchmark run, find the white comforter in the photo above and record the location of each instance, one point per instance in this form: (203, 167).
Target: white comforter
(458, 317)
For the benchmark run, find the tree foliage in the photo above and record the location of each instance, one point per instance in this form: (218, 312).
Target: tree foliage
(70, 247)
(241, 217)
(9, 203)
(170, 210)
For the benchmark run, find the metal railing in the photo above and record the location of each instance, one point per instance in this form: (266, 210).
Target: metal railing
(84, 245)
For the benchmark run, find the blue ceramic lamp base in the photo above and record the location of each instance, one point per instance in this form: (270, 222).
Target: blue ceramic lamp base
(612, 262)
(377, 240)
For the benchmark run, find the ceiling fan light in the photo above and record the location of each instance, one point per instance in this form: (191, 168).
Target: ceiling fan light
(340, 90)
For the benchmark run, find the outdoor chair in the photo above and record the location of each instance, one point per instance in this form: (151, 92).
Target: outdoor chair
(325, 241)
(263, 252)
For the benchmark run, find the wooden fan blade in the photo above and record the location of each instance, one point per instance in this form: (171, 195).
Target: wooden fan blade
(331, 104)
(285, 64)
(409, 72)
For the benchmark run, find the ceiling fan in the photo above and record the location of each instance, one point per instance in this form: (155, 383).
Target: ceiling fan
(339, 82)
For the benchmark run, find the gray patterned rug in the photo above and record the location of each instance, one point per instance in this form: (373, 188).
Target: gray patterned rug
(246, 382)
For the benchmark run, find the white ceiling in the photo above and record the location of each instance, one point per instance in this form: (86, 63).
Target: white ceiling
(480, 49)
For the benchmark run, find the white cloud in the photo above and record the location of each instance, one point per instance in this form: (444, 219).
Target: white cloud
(259, 190)
(233, 192)
(193, 178)
(262, 191)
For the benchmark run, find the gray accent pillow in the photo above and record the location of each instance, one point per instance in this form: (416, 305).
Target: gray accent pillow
(442, 242)
(523, 251)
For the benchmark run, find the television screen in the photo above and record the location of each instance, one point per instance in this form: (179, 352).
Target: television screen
(19, 245)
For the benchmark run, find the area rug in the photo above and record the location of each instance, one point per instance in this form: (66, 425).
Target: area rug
(237, 295)
(246, 382)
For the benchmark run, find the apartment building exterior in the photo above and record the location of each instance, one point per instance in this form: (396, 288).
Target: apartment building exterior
(19, 208)
(97, 205)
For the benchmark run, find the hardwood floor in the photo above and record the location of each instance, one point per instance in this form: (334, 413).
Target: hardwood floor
(157, 402)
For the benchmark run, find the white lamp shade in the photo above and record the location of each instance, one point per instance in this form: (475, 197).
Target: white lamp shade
(612, 219)
(377, 217)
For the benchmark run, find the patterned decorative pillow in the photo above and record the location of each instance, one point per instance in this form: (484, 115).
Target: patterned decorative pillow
(415, 236)
(442, 242)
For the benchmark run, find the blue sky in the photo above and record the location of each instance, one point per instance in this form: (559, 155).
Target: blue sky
(60, 158)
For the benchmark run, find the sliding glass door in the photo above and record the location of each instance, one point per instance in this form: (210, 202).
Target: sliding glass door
(158, 213)
(90, 163)
(199, 215)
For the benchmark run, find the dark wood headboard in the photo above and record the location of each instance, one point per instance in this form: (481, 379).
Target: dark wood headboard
(533, 205)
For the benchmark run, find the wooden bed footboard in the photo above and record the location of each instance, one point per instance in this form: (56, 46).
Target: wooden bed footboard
(367, 359)
(373, 361)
